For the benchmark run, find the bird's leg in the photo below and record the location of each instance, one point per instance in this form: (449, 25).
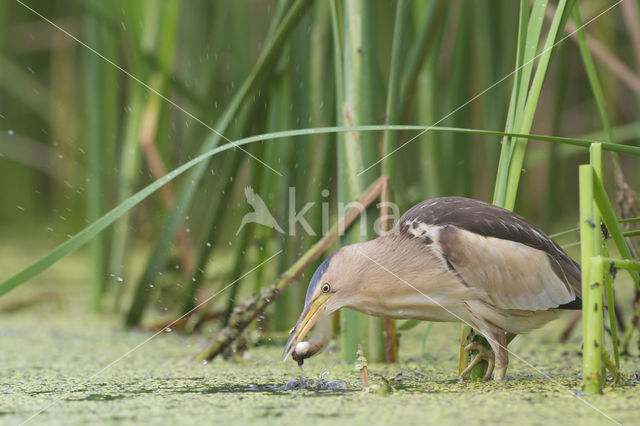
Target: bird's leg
(497, 357)
(502, 355)
(484, 354)
(499, 342)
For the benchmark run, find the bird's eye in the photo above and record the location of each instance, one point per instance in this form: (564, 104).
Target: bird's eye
(326, 287)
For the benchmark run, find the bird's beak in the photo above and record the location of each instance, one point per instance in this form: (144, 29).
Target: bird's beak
(309, 316)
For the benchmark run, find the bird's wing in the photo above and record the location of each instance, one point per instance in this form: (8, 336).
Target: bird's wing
(497, 250)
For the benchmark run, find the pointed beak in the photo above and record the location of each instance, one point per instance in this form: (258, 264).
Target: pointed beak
(309, 316)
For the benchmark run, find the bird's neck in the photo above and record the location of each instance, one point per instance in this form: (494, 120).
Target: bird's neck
(397, 277)
(392, 274)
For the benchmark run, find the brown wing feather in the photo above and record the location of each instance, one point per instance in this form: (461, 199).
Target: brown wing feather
(491, 221)
(513, 275)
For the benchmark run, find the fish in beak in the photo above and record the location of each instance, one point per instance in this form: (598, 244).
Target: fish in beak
(311, 313)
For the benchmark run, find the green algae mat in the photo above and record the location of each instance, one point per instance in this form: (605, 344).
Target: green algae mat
(61, 364)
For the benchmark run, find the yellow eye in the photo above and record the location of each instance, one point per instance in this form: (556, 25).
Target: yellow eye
(326, 288)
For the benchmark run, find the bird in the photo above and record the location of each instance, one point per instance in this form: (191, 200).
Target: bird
(448, 259)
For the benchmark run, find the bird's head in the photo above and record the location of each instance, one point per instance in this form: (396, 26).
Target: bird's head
(329, 290)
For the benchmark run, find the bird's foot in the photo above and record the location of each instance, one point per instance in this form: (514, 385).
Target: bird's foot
(484, 354)
(500, 373)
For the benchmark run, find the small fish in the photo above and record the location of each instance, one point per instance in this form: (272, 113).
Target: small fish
(305, 350)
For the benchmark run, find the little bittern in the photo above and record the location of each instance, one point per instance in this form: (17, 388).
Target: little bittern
(449, 259)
